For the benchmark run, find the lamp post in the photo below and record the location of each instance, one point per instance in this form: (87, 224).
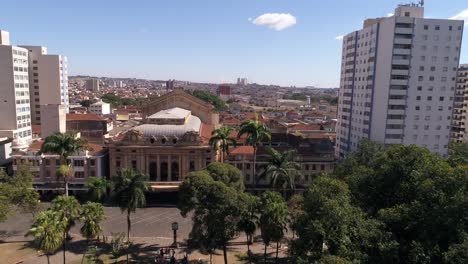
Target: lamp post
(175, 226)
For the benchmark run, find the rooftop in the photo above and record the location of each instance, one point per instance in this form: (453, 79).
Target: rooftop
(80, 117)
(172, 113)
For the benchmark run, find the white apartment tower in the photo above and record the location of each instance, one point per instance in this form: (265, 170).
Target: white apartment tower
(398, 77)
(14, 91)
(460, 106)
(48, 75)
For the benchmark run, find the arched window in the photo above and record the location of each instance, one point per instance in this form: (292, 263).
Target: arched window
(153, 171)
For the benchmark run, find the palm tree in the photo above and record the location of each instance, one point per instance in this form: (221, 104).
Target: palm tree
(91, 215)
(129, 188)
(97, 188)
(221, 140)
(64, 145)
(68, 210)
(273, 220)
(256, 134)
(281, 169)
(47, 230)
(248, 219)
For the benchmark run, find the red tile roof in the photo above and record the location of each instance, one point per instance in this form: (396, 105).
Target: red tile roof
(306, 127)
(242, 150)
(205, 131)
(36, 146)
(87, 117)
(36, 129)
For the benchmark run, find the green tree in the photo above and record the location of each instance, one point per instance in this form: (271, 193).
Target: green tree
(216, 210)
(209, 97)
(273, 220)
(296, 210)
(226, 173)
(97, 188)
(256, 134)
(221, 140)
(47, 231)
(68, 210)
(17, 192)
(458, 154)
(281, 169)
(331, 225)
(417, 196)
(64, 145)
(87, 103)
(249, 218)
(129, 189)
(92, 214)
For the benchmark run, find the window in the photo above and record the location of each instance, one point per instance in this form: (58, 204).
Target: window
(421, 68)
(420, 78)
(419, 88)
(79, 174)
(441, 98)
(92, 162)
(134, 164)
(426, 27)
(450, 28)
(117, 164)
(418, 98)
(429, 98)
(417, 108)
(407, 14)
(322, 167)
(437, 27)
(192, 165)
(78, 163)
(440, 108)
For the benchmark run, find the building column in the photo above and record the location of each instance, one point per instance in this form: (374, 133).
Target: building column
(158, 169)
(169, 168)
(180, 167)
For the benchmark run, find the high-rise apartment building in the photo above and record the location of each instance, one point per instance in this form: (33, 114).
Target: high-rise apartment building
(48, 76)
(92, 85)
(398, 77)
(14, 91)
(460, 106)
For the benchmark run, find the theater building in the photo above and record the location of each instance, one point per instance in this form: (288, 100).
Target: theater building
(171, 142)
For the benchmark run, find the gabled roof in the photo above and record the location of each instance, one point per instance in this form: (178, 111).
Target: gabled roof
(173, 113)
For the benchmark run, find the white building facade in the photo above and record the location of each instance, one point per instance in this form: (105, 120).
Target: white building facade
(14, 91)
(398, 77)
(100, 108)
(460, 106)
(48, 75)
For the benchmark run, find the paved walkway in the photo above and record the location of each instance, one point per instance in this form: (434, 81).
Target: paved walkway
(151, 229)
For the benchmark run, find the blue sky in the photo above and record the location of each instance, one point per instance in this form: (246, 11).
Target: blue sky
(202, 40)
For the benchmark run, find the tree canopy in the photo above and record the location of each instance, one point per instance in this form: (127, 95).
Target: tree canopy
(399, 203)
(207, 96)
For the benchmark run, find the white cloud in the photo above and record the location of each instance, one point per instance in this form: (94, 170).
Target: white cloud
(276, 21)
(463, 15)
(390, 14)
(340, 37)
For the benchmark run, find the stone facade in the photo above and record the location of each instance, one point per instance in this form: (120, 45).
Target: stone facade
(167, 152)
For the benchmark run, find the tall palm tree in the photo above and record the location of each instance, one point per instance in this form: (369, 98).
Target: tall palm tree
(97, 188)
(91, 215)
(64, 145)
(47, 230)
(221, 140)
(281, 169)
(256, 134)
(68, 210)
(129, 189)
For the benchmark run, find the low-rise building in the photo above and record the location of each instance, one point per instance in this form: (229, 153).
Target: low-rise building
(92, 162)
(91, 127)
(314, 155)
(100, 108)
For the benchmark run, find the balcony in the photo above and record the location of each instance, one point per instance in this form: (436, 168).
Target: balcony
(399, 30)
(402, 41)
(400, 72)
(401, 51)
(401, 62)
(398, 82)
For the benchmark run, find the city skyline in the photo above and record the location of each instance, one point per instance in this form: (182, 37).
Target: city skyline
(288, 44)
